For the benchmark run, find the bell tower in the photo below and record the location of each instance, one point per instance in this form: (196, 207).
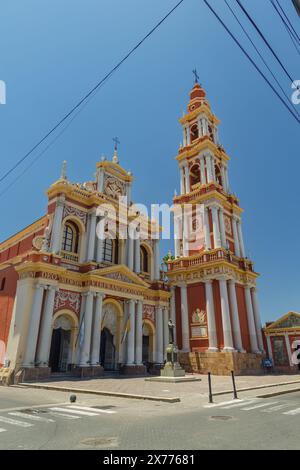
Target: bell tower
(214, 283)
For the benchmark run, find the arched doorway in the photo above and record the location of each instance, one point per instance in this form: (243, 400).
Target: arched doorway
(110, 335)
(107, 350)
(148, 346)
(61, 348)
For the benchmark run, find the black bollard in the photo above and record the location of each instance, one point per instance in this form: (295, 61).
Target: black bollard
(210, 395)
(234, 387)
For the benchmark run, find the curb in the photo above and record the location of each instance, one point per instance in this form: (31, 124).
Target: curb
(281, 392)
(102, 393)
(258, 387)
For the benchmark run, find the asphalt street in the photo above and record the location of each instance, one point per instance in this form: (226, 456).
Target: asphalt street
(39, 419)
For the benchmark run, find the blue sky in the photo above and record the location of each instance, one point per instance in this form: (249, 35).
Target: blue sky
(53, 52)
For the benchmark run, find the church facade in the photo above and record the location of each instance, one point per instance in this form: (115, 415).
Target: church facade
(73, 300)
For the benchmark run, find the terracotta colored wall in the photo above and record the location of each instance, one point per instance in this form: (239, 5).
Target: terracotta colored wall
(241, 301)
(7, 301)
(178, 317)
(218, 313)
(196, 299)
(19, 248)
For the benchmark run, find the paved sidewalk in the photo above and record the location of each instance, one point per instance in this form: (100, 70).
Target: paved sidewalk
(184, 391)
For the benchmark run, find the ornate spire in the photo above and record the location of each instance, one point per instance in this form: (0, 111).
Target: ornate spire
(115, 157)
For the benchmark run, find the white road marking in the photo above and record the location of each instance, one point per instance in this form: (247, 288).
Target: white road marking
(64, 415)
(88, 408)
(261, 405)
(67, 410)
(33, 417)
(223, 403)
(275, 408)
(22, 424)
(241, 403)
(292, 412)
(2, 430)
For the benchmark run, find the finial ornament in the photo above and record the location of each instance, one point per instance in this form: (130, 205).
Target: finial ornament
(115, 157)
(63, 175)
(196, 75)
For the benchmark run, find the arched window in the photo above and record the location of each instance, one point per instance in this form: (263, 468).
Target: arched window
(70, 238)
(144, 260)
(194, 132)
(218, 175)
(111, 250)
(211, 133)
(195, 174)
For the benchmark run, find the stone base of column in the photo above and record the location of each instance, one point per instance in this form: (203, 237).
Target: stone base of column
(88, 371)
(133, 369)
(212, 350)
(229, 350)
(28, 374)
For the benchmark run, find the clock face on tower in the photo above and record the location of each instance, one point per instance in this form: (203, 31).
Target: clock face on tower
(114, 187)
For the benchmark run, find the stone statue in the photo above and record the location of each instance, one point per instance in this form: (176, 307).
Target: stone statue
(171, 331)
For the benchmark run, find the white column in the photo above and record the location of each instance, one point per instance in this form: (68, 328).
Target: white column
(128, 193)
(177, 243)
(185, 327)
(202, 170)
(182, 186)
(288, 348)
(166, 329)
(57, 225)
(240, 235)
(139, 333)
(227, 331)
(207, 229)
(257, 319)
(187, 179)
(130, 250)
(184, 137)
(251, 323)
(222, 227)
(211, 322)
(235, 237)
(223, 177)
(101, 180)
(137, 255)
(92, 237)
(44, 345)
(34, 323)
(188, 135)
(216, 229)
(96, 339)
(159, 335)
(173, 310)
(208, 168)
(131, 334)
(99, 249)
(213, 168)
(226, 179)
(88, 317)
(269, 346)
(235, 317)
(156, 261)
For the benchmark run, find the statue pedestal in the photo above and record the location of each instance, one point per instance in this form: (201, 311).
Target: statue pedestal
(172, 367)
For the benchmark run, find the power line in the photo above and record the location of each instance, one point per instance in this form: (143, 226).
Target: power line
(264, 39)
(251, 60)
(91, 92)
(288, 20)
(260, 55)
(287, 27)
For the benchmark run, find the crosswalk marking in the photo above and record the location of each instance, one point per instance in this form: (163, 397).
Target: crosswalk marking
(261, 405)
(15, 422)
(32, 417)
(292, 412)
(88, 408)
(237, 405)
(63, 415)
(213, 405)
(2, 430)
(275, 408)
(78, 412)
